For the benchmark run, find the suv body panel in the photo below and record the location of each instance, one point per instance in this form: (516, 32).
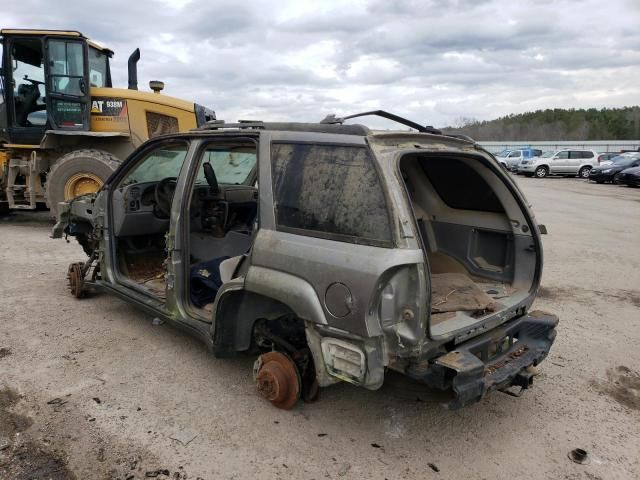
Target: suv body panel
(373, 299)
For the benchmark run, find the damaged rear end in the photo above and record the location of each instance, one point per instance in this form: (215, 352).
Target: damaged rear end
(483, 262)
(496, 360)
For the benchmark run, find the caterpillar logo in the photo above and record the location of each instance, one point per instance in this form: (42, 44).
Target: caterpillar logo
(109, 107)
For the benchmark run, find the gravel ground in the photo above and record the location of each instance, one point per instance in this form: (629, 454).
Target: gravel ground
(90, 389)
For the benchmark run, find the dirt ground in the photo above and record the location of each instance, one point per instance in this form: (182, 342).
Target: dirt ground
(90, 389)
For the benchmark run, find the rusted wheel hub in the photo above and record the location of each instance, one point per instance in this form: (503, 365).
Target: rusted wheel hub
(277, 379)
(76, 279)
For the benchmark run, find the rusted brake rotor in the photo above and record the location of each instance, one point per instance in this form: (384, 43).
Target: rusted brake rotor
(278, 380)
(76, 279)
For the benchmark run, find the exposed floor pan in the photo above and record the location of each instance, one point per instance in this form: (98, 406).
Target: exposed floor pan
(146, 269)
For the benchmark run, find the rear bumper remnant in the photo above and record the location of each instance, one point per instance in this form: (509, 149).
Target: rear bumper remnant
(498, 359)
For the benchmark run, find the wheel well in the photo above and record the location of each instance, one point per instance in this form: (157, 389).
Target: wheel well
(59, 145)
(242, 314)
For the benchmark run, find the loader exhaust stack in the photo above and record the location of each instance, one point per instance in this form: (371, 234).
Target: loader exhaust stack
(133, 69)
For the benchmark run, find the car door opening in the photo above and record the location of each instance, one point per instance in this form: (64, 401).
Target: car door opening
(221, 219)
(142, 203)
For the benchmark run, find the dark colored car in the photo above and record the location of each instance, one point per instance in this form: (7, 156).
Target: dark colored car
(607, 173)
(629, 176)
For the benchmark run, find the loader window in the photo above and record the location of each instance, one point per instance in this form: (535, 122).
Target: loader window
(98, 68)
(66, 67)
(67, 88)
(28, 82)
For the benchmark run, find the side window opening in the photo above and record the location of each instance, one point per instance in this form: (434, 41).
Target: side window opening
(329, 191)
(460, 186)
(232, 166)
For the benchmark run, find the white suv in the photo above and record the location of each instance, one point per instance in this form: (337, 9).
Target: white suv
(560, 162)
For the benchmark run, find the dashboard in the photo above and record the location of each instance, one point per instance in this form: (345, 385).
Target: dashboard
(234, 207)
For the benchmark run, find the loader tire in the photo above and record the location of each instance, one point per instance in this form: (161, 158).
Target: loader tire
(78, 173)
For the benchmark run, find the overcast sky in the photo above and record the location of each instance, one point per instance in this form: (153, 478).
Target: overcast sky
(433, 61)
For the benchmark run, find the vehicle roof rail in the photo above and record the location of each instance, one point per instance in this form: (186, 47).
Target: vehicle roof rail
(241, 124)
(330, 119)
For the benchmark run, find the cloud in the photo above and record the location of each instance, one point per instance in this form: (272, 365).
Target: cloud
(432, 61)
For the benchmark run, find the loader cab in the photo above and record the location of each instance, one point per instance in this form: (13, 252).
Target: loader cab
(46, 80)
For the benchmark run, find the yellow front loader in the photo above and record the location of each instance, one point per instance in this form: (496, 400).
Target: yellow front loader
(63, 127)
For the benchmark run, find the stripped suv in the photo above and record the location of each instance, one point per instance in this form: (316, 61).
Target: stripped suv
(330, 251)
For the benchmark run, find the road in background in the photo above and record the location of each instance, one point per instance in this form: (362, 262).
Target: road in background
(94, 384)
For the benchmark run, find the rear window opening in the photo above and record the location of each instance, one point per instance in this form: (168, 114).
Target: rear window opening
(461, 187)
(475, 237)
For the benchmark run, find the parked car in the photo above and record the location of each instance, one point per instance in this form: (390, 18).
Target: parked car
(509, 159)
(331, 251)
(618, 157)
(607, 173)
(560, 162)
(607, 157)
(629, 176)
(516, 168)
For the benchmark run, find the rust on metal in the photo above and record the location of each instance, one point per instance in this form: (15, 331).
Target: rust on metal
(76, 279)
(277, 380)
(513, 355)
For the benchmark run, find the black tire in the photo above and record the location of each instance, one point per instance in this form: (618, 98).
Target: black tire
(541, 172)
(98, 163)
(584, 172)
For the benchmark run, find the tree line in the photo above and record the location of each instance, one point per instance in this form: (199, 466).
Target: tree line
(555, 124)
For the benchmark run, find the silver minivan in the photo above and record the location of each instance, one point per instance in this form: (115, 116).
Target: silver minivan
(330, 252)
(560, 162)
